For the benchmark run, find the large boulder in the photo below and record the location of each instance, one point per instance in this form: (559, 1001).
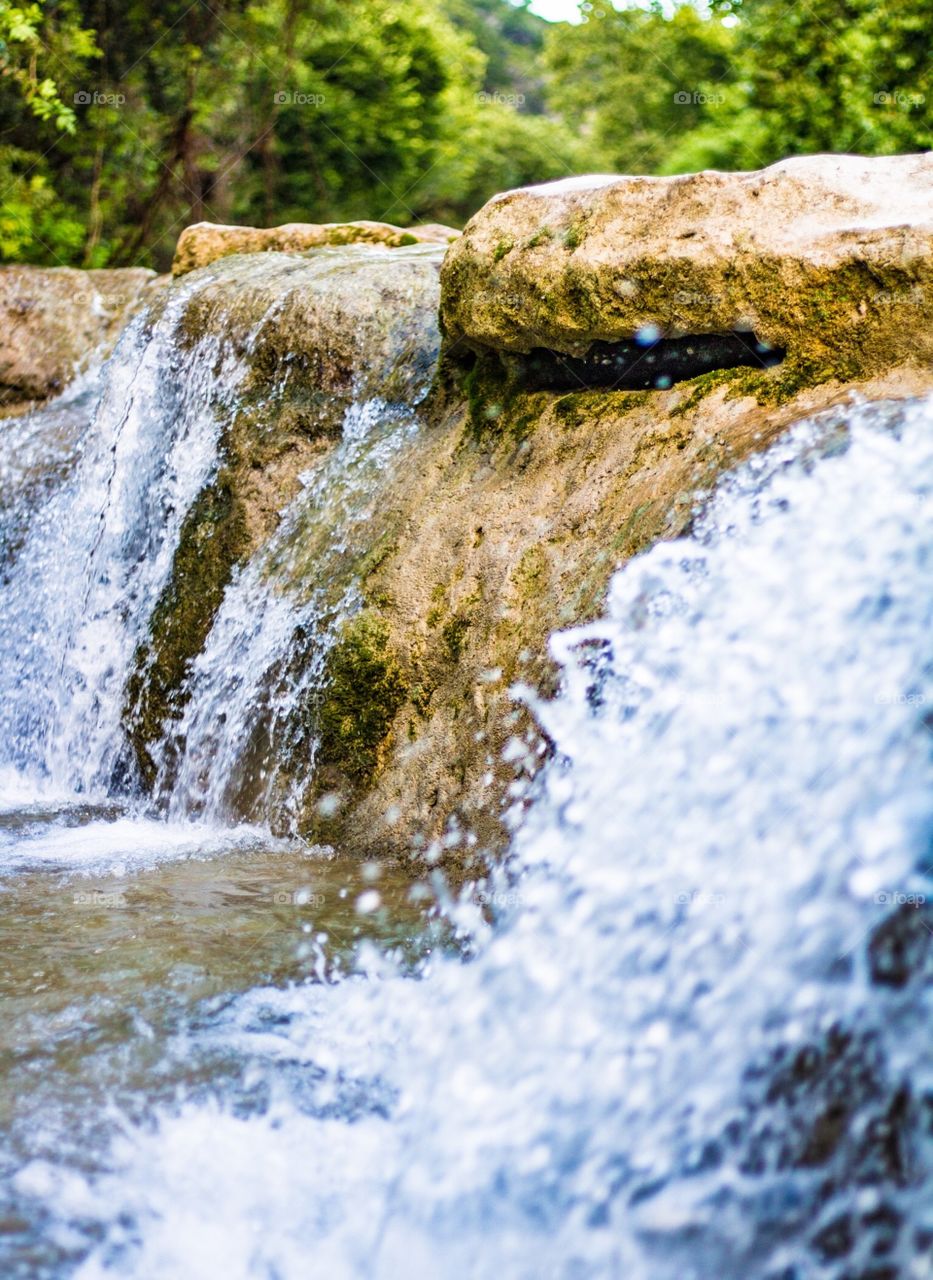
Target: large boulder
(57, 320)
(205, 242)
(829, 257)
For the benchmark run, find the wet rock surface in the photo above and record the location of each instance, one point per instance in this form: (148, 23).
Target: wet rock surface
(56, 320)
(507, 513)
(313, 335)
(815, 255)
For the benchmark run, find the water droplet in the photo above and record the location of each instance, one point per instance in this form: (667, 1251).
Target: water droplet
(647, 334)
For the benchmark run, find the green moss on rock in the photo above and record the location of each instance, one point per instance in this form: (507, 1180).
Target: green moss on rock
(454, 635)
(364, 689)
(540, 237)
(573, 236)
(578, 408)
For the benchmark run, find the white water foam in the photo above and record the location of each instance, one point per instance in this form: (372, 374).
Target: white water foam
(245, 686)
(128, 843)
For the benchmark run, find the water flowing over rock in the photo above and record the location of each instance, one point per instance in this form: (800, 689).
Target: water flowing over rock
(827, 257)
(318, 338)
(56, 321)
(273, 576)
(690, 1044)
(205, 242)
(355, 573)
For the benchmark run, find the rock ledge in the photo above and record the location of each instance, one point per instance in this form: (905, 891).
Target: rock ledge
(828, 256)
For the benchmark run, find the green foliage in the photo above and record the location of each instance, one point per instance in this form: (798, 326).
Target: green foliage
(746, 83)
(833, 75)
(35, 224)
(121, 124)
(275, 111)
(636, 80)
(33, 39)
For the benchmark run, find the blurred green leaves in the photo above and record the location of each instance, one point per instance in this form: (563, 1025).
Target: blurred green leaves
(120, 123)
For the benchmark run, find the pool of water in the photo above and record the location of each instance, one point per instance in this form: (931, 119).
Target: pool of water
(124, 944)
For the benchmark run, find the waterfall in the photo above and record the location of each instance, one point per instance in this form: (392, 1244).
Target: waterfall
(97, 553)
(681, 1050)
(680, 1032)
(266, 650)
(99, 486)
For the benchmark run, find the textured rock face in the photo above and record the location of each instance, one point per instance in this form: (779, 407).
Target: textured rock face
(508, 514)
(493, 540)
(830, 257)
(484, 541)
(205, 242)
(55, 320)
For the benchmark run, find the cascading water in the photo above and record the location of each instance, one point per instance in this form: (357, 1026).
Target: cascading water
(245, 685)
(691, 1040)
(100, 485)
(82, 587)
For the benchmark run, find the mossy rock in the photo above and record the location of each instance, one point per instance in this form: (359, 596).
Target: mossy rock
(846, 291)
(306, 339)
(363, 689)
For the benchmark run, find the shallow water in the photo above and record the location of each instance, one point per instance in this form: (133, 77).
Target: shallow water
(124, 943)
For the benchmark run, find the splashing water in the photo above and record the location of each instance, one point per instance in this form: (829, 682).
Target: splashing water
(690, 1043)
(94, 493)
(682, 1034)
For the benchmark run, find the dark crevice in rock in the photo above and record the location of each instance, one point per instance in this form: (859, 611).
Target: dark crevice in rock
(645, 365)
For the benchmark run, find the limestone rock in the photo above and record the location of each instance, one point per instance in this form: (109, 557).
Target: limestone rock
(490, 542)
(479, 542)
(55, 319)
(205, 242)
(828, 256)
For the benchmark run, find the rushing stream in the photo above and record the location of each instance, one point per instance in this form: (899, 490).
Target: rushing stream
(683, 1034)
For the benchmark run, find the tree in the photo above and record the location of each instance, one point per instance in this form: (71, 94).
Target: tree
(36, 41)
(32, 37)
(267, 111)
(830, 75)
(636, 81)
